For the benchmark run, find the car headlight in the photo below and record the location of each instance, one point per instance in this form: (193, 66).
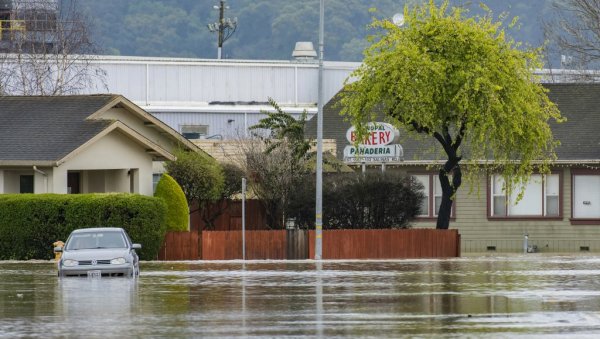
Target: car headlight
(118, 261)
(69, 262)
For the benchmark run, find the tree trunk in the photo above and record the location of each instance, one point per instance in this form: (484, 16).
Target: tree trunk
(448, 191)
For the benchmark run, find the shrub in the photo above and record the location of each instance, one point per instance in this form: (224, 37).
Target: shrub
(357, 200)
(30, 223)
(199, 175)
(178, 212)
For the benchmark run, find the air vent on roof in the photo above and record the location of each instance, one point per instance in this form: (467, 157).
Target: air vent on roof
(304, 50)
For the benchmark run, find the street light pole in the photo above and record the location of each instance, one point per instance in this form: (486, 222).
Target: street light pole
(319, 197)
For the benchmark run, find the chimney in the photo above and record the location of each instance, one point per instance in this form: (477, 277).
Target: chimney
(304, 50)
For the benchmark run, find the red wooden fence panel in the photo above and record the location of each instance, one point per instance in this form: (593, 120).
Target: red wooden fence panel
(387, 244)
(180, 246)
(337, 244)
(227, 245)
(231, 216)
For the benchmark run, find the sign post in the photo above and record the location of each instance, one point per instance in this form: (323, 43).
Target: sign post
(243, 218)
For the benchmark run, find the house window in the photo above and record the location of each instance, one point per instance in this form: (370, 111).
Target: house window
(586, 195)
(194, 131)
(541, 197)
(432, 188)
(26, 184)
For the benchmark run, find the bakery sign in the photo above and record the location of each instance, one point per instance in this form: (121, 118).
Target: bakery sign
(379, 144)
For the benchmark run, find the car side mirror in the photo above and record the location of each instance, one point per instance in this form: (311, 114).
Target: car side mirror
(58, 249)
(136, 246)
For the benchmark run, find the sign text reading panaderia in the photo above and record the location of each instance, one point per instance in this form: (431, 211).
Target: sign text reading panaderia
(376, 146)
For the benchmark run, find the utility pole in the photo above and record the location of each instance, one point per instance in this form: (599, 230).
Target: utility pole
(225, 27)
(319, 197)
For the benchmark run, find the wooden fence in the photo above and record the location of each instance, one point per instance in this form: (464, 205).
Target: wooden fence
(298, 244)
(180, 246)
(387, 244)
(230, 218)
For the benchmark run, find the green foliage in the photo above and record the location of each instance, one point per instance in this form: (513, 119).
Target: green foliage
(456, 79)
(285, 131)
(200, 176)
(357, 201)
(178, 212)
(276, 170)
(267, 29)
(233, 175)
(273, 179)
(30, 223)
(232, 187)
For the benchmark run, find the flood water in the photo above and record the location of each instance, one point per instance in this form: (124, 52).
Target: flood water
(532, 295)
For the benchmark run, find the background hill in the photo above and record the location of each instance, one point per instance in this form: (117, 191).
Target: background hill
(267, 29)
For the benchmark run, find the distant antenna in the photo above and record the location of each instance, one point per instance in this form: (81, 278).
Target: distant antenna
(225, 27)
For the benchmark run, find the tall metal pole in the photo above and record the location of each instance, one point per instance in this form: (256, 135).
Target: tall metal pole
(319, 198)
(221, 27)
(244, 218)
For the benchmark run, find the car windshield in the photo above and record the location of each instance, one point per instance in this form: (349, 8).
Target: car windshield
(89, 240)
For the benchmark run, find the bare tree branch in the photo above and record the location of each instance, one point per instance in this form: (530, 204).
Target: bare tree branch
(575, 30)
(45, 50)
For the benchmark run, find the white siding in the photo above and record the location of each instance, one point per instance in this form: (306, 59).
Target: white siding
(180, 82)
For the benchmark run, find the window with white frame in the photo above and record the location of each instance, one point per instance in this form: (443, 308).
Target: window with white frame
(194, 131)
(540, 197)
(586, 196)
(432, 189)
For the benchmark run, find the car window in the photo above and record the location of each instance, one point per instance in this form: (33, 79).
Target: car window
(90, 240)
(111, 240)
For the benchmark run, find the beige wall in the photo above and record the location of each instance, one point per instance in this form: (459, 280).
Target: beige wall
(108, 160)
(478, 232)
(134, 122)
(232, 151)
(11, 179)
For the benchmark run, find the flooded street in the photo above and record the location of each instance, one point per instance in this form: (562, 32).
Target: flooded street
(475, 296)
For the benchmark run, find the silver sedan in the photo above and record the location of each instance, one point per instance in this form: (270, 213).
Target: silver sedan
(106, 252)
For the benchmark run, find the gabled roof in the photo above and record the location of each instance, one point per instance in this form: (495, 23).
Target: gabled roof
(579, 136)
(45, 130)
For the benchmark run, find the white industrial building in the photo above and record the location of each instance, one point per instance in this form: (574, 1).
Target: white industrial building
(218, 98)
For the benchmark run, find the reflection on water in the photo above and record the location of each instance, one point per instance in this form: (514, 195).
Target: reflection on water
(507, 296)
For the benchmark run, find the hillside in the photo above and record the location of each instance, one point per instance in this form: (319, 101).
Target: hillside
(267, 29)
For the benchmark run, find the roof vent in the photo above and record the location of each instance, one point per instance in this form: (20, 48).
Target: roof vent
(304, 50)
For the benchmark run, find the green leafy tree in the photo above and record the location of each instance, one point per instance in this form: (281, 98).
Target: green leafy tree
(232, 186)
(280, 163)
(178, 212)
(460, 81)
(273, 177)
(285, 130)
(199, 175)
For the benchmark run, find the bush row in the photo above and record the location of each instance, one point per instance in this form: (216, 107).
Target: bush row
(359, 200)
(30, 223)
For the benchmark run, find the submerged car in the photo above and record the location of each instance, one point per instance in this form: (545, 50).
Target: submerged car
(105, 251)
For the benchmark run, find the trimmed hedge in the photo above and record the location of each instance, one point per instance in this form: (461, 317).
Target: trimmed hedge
(178, 212)
(30, 223)
(371, 200)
